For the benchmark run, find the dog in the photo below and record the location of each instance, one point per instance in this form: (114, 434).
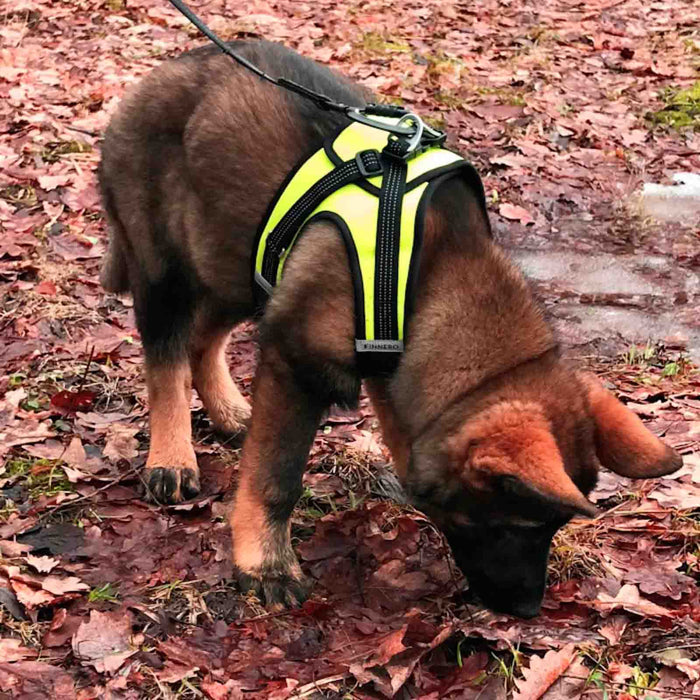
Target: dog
(493, 434)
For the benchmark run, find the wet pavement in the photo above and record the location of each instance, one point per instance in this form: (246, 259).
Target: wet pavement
(605, 302)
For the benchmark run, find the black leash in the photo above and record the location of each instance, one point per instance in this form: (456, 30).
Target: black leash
(322, 101)
(410, 131)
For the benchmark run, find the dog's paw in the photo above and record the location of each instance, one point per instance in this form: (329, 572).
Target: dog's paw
(167, 485)
(232, 419)
(275, 589)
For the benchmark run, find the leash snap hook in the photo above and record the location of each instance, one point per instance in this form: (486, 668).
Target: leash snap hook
(418, 126)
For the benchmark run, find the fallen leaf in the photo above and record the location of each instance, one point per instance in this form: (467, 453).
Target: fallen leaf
(72, 401)
(515, 213)
(542, 673)
(75, 456)
(51, 182)
(174, 672)
(47, 288)
(41, 564)
(103, 642)
(691, 668)
(628, 598)
(57, 538)
(14, 650)
(63, 627)
(61, 586)
(30, 431)
(11, 549)
(31, 597)
(36, 679)
(121, 443)
(614, 628)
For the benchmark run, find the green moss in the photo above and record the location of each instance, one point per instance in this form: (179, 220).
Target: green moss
(16, 379)
(52, 152)
(449, 100)
(681, 110)
(41, 477)
(437, 121)
(19, 195)
(440, 63)
(375, 42)
(36, 403)
(6, 510)
(505, 95)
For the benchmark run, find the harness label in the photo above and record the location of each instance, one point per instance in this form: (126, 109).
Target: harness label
(378, 345)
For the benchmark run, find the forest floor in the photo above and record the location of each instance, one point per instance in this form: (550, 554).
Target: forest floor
(566, 108)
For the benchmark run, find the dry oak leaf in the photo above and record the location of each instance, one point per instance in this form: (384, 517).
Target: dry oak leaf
(121, 443)
(543, 672)
(30, 597)
(628, 598)
(36, 679)
(61, 586)
(51, 182)
(43, 565)
(515, 213)
(393, 662)
(14, 650)
(690, 668)
(103, 642)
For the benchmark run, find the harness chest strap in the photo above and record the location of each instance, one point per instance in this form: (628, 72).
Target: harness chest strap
(378, 203)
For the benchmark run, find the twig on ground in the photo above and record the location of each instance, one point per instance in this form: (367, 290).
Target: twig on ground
(306, 690)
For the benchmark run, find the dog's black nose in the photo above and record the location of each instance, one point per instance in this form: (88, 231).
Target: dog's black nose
(525, 609)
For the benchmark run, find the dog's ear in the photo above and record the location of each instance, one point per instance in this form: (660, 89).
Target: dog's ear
(622, 442)
(510, 450)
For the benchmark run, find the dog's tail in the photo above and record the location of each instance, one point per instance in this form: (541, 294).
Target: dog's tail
(114, 274)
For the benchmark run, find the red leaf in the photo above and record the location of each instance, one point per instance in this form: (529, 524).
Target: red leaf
(543, 672)
(47, 288)
(71, 401)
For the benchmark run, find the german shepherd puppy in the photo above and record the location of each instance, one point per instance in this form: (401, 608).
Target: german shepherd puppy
(492, 433)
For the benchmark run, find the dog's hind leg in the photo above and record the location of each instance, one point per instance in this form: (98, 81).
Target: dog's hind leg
(165, 310)
(284, 420)
(226, 406)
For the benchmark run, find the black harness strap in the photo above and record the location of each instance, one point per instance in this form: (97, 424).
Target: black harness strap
(365, 164)
(386, 272)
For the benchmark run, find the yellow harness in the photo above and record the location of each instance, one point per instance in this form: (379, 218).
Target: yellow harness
(378, 201)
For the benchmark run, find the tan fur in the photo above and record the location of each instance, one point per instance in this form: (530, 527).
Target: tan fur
(318, 286)
(169, 393)
(473, 321)
(392, 432)
(515, 438)
(261, 542)
(222, 399)
(623, 443)
(248, 523)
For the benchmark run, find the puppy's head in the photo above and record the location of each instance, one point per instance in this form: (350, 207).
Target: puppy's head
(506, 479)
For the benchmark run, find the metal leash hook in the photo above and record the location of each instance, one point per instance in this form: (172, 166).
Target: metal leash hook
(410, 126)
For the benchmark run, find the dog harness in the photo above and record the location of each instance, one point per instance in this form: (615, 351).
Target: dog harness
(375, 188)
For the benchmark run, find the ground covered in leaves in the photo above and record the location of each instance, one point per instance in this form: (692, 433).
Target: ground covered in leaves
(566, 107)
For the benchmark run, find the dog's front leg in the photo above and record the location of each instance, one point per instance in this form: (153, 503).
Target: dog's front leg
(284, 420)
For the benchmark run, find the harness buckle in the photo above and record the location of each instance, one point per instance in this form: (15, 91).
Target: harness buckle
(368, 163)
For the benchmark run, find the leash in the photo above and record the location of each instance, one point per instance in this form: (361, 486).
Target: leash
(409, 135)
